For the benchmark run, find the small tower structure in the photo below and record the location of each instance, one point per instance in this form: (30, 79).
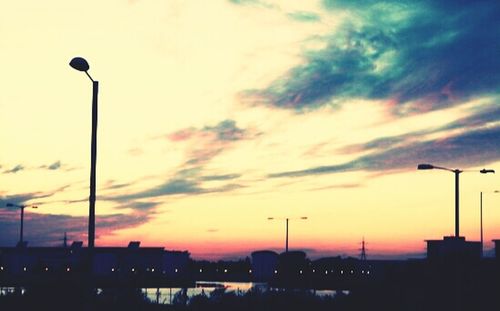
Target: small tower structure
(363, 250)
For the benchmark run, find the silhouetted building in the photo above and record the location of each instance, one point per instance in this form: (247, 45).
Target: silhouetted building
(497, 249)
(19, 265)
(453, 248)
(175, 263)
(264, 263)
(293, 267)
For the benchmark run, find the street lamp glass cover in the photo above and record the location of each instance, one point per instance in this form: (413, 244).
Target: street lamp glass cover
(79, 64)
(425, 167)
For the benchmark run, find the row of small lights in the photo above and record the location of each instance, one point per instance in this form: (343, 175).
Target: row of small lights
(68, 269)
(331, 271)
(301, 271)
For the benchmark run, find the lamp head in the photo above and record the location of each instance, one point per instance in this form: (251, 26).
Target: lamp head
(486, 171)
(79, 64)
(425, 167)
(303, 218)
(270, 218)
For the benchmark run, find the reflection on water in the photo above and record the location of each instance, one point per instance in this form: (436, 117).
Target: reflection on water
(10, 290)
(166, 295)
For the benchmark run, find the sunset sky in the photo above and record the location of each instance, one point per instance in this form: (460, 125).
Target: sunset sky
(215, 115)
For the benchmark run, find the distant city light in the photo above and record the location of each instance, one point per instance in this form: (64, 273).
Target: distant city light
(201, 270)
(176, 270)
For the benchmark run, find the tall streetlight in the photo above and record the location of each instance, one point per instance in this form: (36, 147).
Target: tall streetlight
(481, 216)
(81, 64)
(286, 221)
(21, 207)
(457, 174)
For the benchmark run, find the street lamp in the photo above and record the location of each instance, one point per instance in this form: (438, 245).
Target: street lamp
(81, 64)
(286, 221)
(22, 207)
(481, 216)
(457, 174)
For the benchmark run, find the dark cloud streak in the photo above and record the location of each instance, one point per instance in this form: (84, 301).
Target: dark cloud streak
(419, 56)
(480, 118)
(467, 149)
(220, 177)
(15, 169)
(49, 229)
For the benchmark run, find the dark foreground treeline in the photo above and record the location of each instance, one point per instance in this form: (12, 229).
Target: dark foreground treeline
(219, 299)
(442, 295)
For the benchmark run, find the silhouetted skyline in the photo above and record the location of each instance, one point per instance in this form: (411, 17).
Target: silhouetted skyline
(214, 116)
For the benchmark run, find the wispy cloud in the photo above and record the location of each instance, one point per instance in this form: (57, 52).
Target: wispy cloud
(417, 56)
(480, 118)
(462, 150)
(49, 229)
(35, 198)
(338, 186)
(219, 177)
(112, 185)
(257, 3)
(54, 166)
(202, 145)
(57, 165)
(22, 199)
(15, 169)
(171, 187)
(207, 142)
(303, 16)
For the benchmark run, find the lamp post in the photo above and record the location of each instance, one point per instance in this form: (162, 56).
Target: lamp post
(457, 174)
(481, 216)
(286, 222)
(81, 64)
(21, 207)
